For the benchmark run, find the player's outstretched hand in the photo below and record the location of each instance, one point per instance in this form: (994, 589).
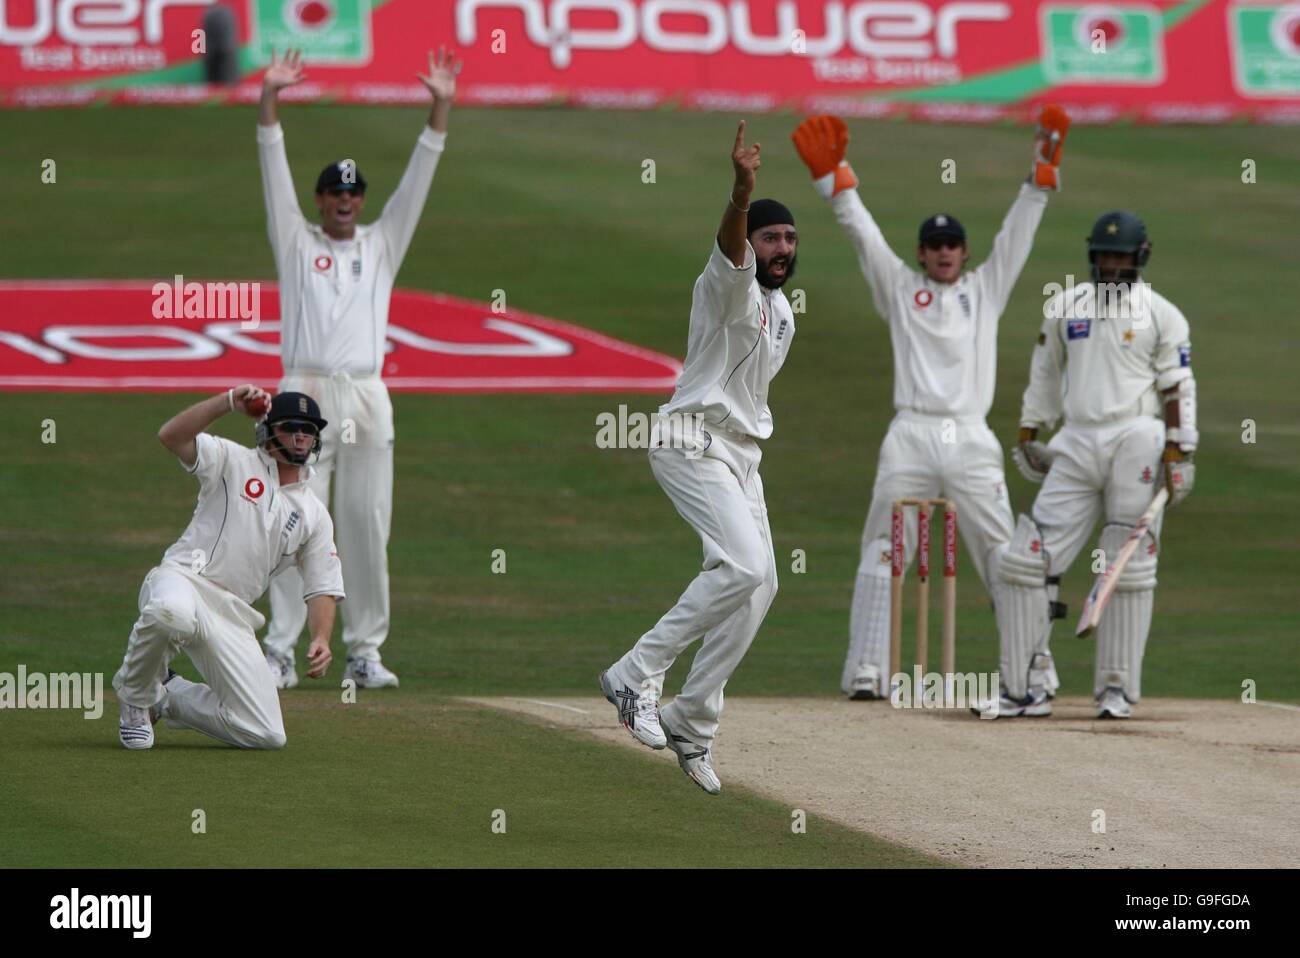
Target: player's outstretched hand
(443, 70)
(821, 142)
(319, 658)
(746, 162)
(284, 72)
(251, 400)
(1049, 142)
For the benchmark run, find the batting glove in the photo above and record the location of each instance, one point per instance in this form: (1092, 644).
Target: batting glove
(1049, 141)
(1032, 458)
(1180, 475)
(822, 142)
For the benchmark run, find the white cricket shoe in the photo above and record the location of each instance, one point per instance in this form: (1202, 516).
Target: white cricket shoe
(1034, 705)
(282, 671)
(135, 727)
(639, 714)
(1112, 704)
(866, 685)
(695, 762)
(369, 674)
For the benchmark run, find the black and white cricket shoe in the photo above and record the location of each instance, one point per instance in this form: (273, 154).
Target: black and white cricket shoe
(135, 727)
(369, 674)
(1036, 704)
(637, 713)
(695, 761)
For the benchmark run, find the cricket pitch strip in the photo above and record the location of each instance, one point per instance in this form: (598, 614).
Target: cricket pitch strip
(1183, 784)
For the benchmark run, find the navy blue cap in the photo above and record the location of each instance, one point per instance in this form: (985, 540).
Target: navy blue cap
(342, 175)
(941, 224)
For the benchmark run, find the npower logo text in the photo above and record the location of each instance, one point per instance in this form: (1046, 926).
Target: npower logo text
(902, 29)
(88, 22)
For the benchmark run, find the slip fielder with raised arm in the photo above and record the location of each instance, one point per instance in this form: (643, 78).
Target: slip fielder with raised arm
(943, 324)
(335, 283)
(704, 451)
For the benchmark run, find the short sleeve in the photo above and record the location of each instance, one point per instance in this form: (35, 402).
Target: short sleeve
(724, 290)
(210, 462)
(1172, 360)
(318, 559)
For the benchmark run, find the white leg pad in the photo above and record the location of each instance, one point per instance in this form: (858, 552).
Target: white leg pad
(1020, 601)
(1126, 622)
(869, 616)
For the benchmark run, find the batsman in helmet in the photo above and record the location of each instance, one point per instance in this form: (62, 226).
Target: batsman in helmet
(1129, 428)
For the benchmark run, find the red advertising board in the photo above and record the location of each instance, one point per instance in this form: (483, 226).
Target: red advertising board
(1158, 61)
(140, 336)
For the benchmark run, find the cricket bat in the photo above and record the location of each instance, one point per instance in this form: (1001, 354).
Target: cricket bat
(1104, 587)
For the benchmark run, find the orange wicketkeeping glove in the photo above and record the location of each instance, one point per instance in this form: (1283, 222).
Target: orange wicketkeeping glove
(821, 142)
(1049, 141)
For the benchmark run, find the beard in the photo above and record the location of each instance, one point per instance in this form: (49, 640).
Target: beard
(764, 275)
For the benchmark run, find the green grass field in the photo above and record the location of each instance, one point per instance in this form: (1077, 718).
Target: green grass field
(550, 207)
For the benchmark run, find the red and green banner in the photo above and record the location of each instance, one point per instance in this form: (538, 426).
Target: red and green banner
(1159, 61)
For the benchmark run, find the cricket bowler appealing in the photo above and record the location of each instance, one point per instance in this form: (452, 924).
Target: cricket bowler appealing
(255, 518)
(943, 325)
(1115, 359)
(335, 283)
(705, 454)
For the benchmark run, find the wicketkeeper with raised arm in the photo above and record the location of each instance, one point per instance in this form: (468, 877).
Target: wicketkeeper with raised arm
(335, 282)
(943, 325)
(1125, 353)
(704, 452)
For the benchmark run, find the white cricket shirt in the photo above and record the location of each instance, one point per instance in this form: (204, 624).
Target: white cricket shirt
(737, 341)
(1100, 359)
(334, 294)
(247, 527)
(944, 335)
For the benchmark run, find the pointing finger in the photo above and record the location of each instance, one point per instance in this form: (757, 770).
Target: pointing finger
(740, 136)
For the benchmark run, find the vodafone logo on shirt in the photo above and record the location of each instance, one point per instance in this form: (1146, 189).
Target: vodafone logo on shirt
(254, 488)
(97, 335)
(323, 263)
(923, 298)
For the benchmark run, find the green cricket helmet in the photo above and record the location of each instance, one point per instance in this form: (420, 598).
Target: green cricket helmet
(1119, 231)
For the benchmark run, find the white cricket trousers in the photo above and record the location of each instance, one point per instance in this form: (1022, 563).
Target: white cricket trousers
(218, 631)
(718, 491)
(925, 457)
(1109, 472)
(357, 460)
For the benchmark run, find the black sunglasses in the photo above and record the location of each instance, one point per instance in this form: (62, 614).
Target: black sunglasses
(943, 242)
(295, 426)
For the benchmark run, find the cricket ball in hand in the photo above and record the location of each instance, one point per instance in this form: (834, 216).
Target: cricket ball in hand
(257, 406)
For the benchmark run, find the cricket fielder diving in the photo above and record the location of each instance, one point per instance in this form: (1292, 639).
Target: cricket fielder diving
(704, 452)
(255, 518)
(335, 283)
(943, 324)
(1125, 354)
